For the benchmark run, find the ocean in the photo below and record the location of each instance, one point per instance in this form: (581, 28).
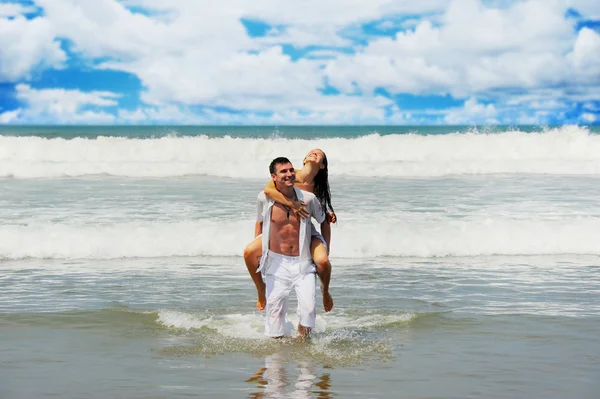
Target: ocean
(465, 263)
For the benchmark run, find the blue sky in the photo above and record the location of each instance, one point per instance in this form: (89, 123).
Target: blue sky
(268, 62)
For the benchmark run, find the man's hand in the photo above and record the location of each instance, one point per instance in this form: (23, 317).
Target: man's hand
(299, 209)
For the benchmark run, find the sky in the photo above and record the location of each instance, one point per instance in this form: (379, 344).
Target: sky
(309, 62)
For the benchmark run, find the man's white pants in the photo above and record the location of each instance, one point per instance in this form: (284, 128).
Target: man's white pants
(283, 275)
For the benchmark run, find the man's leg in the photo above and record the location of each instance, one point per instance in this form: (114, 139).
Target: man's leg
(321, 259)
(306, 291)
(277, 291)
(252, 254)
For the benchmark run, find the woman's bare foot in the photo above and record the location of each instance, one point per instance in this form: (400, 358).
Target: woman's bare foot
(327, 301)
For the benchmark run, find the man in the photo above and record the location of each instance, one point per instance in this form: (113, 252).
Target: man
(286, 262)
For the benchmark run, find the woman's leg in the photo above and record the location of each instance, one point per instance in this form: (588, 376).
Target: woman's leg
(321, 259)
(252, 254)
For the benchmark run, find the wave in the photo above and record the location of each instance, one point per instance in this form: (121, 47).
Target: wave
(252, 325)
(564, 150)
(377, 238)
(336, 339)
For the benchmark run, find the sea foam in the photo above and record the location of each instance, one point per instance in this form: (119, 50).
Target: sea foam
(564, 150)
(359, 239)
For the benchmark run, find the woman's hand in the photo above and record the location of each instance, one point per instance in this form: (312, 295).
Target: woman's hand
(299, 209)
(331, 217)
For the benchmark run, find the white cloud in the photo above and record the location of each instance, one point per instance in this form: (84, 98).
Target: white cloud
(550, 104)
(64, 106)
(589, 118)
(400, 117)
(267, 81)
(472, 112)
(10, 116)
(132, 116)
(322, 54)
(304, 36)
(589, 8)
(26, 45)
(14, 9)
(250, 78)
(473, 50)
(199, 55)
(105, 28)
(586, 53)
(397, 74)
(339, 13)
(410, 23)
(592, 107)
(169, 113)
(189, 52)
(338, 114)
(386, 25)
(61, 100)
(530, 99)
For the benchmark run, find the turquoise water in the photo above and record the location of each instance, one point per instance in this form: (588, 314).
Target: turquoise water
(309, 132)
(465, 264)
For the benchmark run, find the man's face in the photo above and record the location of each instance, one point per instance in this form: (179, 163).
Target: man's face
(285, 175)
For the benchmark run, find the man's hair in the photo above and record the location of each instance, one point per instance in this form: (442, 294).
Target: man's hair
(276, 161)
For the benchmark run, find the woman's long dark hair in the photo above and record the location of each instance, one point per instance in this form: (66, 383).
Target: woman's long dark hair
(321, 187)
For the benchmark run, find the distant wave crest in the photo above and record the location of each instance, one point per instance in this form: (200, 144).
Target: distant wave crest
(564, 150)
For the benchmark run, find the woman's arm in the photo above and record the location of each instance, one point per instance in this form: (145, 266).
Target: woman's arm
(298, 207)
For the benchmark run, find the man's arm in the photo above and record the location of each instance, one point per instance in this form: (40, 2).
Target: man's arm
(258, 229)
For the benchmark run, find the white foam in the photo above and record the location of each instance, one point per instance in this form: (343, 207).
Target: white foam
(251, 326)
(123, 240)
(231, 325)
(174, 319)
(565, 150)
(467, 237)
(374, 320)
(353, 239)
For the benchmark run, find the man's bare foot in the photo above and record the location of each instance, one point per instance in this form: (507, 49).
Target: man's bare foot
(327, 301)
(261, 302)
(303, 331)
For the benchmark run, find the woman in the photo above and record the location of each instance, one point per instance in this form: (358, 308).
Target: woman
(313, 177)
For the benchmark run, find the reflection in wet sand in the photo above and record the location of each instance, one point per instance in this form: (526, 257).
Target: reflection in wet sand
(274, 380)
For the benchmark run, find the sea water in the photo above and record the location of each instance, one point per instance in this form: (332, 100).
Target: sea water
(465, 264)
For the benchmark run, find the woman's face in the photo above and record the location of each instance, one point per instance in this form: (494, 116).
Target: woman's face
(315, 156)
